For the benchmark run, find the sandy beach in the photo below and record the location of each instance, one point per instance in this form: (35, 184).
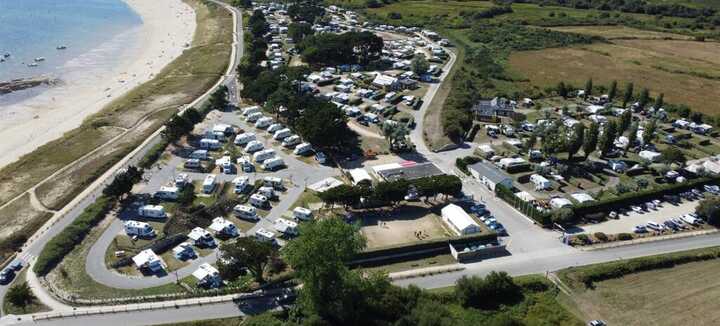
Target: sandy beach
(168, 27)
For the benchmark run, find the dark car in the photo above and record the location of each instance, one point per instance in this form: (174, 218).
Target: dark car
(6, 275)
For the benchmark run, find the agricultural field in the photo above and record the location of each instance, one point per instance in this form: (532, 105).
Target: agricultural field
(682, 294)
(687, 72)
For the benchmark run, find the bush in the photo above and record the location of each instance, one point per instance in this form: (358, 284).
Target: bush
(584, 238)
(153, 154)
(624, 236)
(163, 245)
(601, 236)
(59, 246)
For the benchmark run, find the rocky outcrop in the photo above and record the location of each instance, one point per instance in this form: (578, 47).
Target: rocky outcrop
(25, 83)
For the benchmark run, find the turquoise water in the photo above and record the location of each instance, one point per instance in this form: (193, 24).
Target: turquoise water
(34, 28)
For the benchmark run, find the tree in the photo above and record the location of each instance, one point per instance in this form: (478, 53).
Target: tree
(625, 121)
(562, 89)
(613, 90)
(563, 215)
(607, 139)
(187, 195)
(660, 101)
(396, 135)
(696, 117)
(344, 194)
(628, 95)
(123, 182)
(591, 139)
(530, 142)
(419, 64)
(644, 98)
(391, 191)
(319, 257)
(20, 295)
(489, 293)
(245, 252)
(298, 31)
(632, 134)
(247, 4)
(588, 87)
(576, 140)
(709, 208)
(649, 131)
(325, 126)
(672, 154)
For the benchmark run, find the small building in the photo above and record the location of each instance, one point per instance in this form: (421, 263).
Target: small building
(407, 170)
(223, 227)
(386, 83)
(491, 109)
(201, 237)
(541, 183)
(184, 251)
(459, 221)
(149, 261)
(360, 176)
(207, 276)
(486, 150)
(489, 175)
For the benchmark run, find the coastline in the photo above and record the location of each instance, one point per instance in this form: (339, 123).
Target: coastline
(168, 26)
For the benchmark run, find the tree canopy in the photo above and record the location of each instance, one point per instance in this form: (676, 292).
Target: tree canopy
(245, 252)
(336, 49)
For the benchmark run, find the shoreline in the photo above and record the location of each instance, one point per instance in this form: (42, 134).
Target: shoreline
(140, 53)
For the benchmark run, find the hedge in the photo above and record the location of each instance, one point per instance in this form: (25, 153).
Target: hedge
(524, 207)
(163, 245)
(437, 244)
(60, 245)
(596, 273)
(153, 154)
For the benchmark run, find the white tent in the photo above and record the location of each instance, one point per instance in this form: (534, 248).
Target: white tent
(458, 220)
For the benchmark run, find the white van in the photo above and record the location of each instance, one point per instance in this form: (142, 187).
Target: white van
(268, 192)
(302, 149)
(240, 184)
(209, 183)
(246, 212)
(151, 211)
(263, 122)
(244, 138)
(207, 143)
(167, 193)
(138, 229)
(263, 155)
(286, 226)
(275, 182)
(192, 163)
(273, 164)
(254, 146)
(250, 110)
(199, 154)
(252, 117)
(302, 214)
(245, 164)
(274, 127)
(291, 141)
(264, 235)
(258, 200)
(282, 133)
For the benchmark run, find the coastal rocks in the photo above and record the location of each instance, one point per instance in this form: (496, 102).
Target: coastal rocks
(25, 83)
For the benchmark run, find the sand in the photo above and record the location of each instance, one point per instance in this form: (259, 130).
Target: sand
(168, 27)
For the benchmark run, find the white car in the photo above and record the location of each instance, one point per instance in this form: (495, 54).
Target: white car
(655, 226)
(636, 209)
(657, 202)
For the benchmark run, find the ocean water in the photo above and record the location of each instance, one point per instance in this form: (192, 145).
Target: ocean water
(90, 29)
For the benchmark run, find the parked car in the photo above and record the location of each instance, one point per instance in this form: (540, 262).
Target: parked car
(320, 157)
(613, 215)
(655, 226)
(637, 209)
(670, 225)
(597, 322)
(6, 275)
(639, 229)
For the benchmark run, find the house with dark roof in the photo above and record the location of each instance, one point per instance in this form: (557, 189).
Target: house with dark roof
(490, 175)
(492, 109)
(407, 170)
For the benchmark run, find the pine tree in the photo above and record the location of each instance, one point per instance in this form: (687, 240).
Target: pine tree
(591, 139)
(613, 90)
(628, 94)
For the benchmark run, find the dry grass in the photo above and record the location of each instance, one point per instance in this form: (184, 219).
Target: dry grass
(386, 228)
(687, 72)
(19, 214)
(620, 32)
(683, 294)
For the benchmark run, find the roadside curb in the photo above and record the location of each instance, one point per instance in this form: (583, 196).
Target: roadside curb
(616, 244)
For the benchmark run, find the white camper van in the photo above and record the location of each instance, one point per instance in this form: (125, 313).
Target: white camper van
(192, 163)
(268, 192)
(240, 184)
(244, 138)
(138, 229)
(207, 143)
(200, 154)
(286, 226)
(263, 122)
(291, 141)
(302, 149)
(246, 212)
(209, 183)
(275, 182)
(252, 117)
(167, 193)
(253, 147)
(264, 235)
(302, 214)
(151, 211)
(273, 164)
(250, 110)
(258, 200)
(263, 155)
(282, 133)
(274, 127)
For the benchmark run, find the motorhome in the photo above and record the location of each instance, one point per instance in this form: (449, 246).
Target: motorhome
(151, 211)
(246, 212)
(302, 149)
(253, 147)
(240, 184)
(268, 192)
(199, 154)
(207, 143)
(167, 193)
(263, 155)
(258, 200)
(291, 141)
(244, 138)
(138, 229)
(264, 235)
(209, 183)
(282, 134)
(201, 237)
(221, 226)
(286, 226)
(273, 164)
(181, 180)
(541, 183)
(302, 214)
(192, 163)
(274, 127)
(245, 164)
(275, 182)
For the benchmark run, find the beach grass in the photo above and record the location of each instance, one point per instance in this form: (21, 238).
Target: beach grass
(127, 121)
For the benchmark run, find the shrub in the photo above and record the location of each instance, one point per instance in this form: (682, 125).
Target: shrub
(163, 245)
(59, 246)
(624, 236)
(584, 238)
(601, 236)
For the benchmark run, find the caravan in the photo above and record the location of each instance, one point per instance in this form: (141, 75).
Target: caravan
(167, 193)
(200, 154)
(273, 164)
(246, 212)
(252, 117)
(263, 122)
(209, 183)
(302, 214)
(138, 229)
(210, 144)
(244, 138)
(302, 149)
(291, 141)
(263, 155)
(240, 184)
(274, 127)
(250, 110)
(268, 192)
(258, 200)
(275, 182)
(282, 134)
(151, 211)
(264, 235)
(253, 147)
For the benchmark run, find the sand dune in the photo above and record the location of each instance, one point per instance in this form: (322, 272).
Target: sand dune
(168, 25)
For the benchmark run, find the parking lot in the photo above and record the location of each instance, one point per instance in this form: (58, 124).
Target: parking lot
(626, 223)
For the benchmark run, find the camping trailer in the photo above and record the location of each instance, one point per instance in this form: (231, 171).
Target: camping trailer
(273, 164)
(151, 211)
(291, 141)
(263, 155)
(209, 183)
(246, 212)
(244, 138)
(302, 149)
(253, 146)
(282, 134)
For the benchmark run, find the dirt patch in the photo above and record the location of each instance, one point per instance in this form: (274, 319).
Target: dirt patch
(387, 227)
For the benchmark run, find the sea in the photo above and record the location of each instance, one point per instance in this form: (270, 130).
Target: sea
(93, 31)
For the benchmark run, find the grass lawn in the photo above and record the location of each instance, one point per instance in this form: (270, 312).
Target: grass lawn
(19, 215)
(620, 32)
(682, 294)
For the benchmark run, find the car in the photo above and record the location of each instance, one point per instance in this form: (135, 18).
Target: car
(6, 275)
(670, 225)
(613, 215)
(476, 207)
(17, 265)
(649, 205)
(637, 209)
(697, 193)
(490, 220)
(597, 322)
(655, 226)
(657, 202)
(714, 189)
(639, 229)
(482, 212)
(320, 157)
(679, 222)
